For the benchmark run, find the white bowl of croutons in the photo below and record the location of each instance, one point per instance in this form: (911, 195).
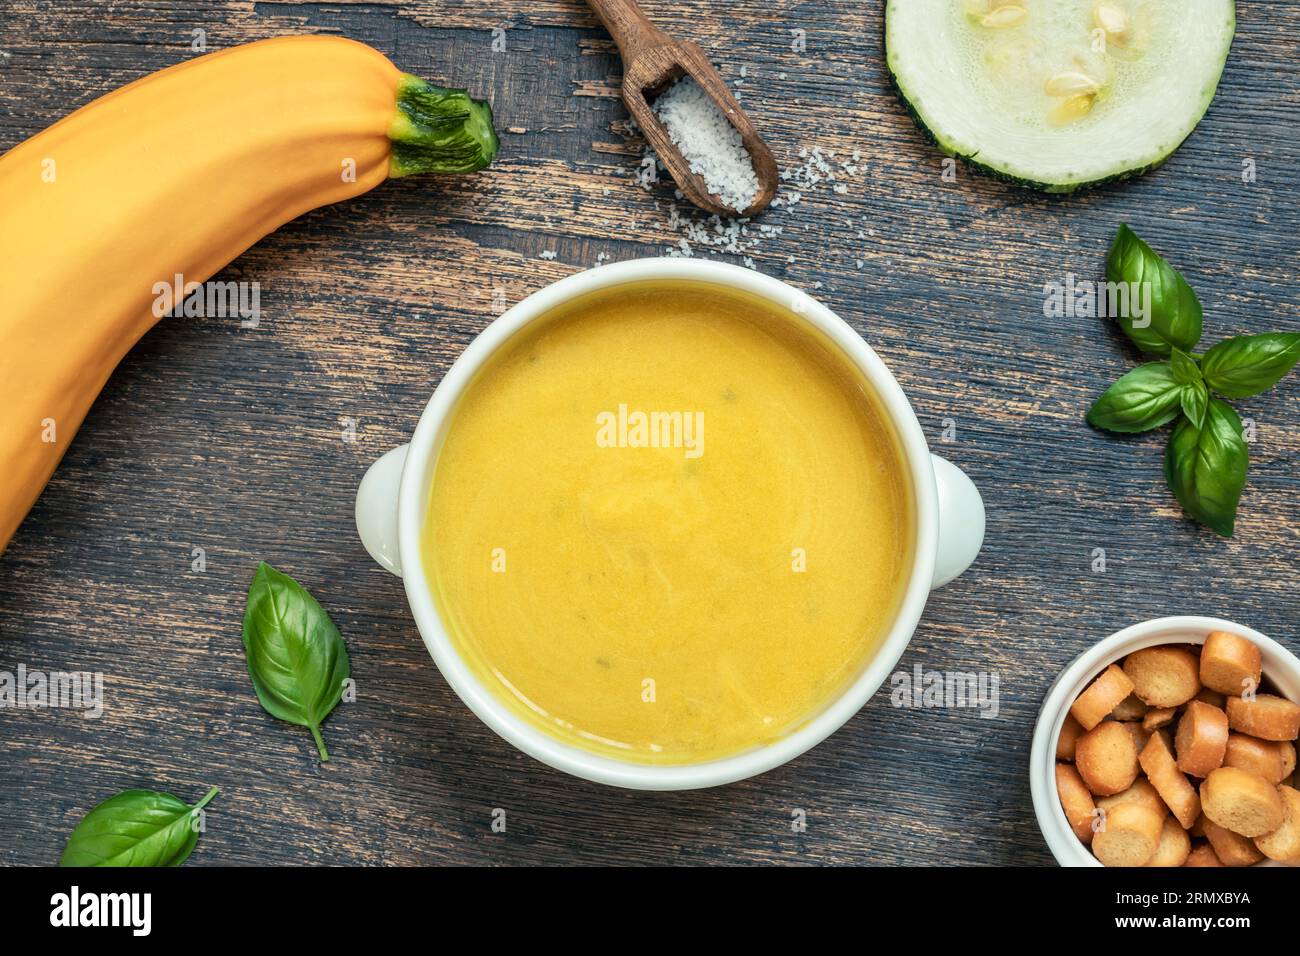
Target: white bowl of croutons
(1172, 743)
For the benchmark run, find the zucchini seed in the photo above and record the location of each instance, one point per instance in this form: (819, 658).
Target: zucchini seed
(1112, 19)
(1072, 108)
(1070, 83)
(1005, 16)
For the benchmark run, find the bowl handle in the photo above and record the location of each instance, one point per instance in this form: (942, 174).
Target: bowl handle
(961, 521)
(377, 509)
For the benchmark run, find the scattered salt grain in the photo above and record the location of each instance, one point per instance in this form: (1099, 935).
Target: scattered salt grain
(709, 143)
(713, 235)
(797, 180)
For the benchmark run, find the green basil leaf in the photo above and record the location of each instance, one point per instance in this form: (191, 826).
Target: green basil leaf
(1206, 467)
(1184, 368)
(135, 828)
(1194, 398)
(1250, 364)
(296, 656)
(1145, 398)
(1174, 317)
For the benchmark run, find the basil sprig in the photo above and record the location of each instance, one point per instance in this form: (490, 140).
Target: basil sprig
(1205, 466)
(296, 656)
(1207, 456)
(1250, 364)
(1193, 396)
(1175, 316)
(136, 828)
(1145, 398)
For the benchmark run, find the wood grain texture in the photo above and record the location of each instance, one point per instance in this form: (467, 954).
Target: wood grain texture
(229, 439)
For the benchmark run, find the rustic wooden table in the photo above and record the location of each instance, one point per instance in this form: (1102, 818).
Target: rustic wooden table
(232, 440)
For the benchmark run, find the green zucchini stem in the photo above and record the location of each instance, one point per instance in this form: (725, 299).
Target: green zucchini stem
(439, 130)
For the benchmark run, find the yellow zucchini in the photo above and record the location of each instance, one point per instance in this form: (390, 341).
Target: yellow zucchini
(177, 174)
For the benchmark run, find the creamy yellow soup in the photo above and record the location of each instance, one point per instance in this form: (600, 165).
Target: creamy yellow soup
(668, 523)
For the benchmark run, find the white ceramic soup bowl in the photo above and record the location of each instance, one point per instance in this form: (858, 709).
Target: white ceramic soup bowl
(393, 496)
(1281, 667)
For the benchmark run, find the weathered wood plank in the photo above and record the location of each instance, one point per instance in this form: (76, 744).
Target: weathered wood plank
(229, 439)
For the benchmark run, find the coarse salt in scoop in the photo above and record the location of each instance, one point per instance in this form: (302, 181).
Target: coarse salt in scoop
(708, 142)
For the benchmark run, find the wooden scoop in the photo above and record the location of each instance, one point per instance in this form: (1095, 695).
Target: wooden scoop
(652, 62)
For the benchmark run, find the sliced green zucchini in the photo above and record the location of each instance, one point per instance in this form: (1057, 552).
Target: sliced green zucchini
(1058, 94)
